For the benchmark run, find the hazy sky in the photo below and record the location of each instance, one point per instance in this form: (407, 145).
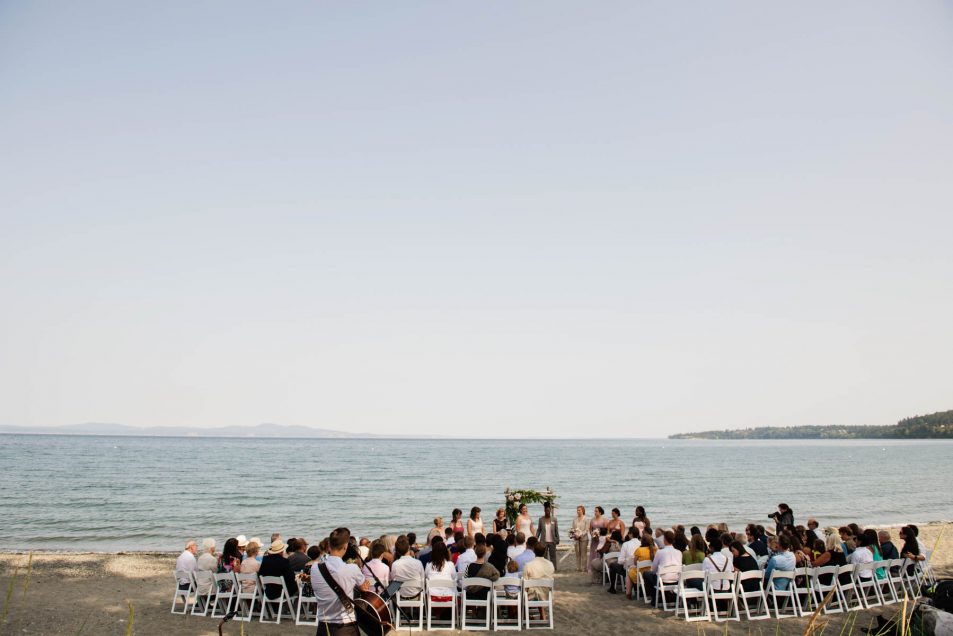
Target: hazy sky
(452, 217)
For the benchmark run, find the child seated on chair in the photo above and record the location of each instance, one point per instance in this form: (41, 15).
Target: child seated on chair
(513, 570)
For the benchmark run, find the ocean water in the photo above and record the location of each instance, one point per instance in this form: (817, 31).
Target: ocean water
(137, 493)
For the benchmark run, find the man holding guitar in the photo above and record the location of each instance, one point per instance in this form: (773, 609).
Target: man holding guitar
(336, 619)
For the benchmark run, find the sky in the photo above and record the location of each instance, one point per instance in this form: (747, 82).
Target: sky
(536, 218)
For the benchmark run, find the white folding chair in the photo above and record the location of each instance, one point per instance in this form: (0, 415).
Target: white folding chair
(402, 604)
(613, 556)
(246, 600)
(663, 589)
(694, 567)
(204, 592)
(685, 593)
(225, 594)
(847, 589)
(882, 576)
(786, 593)
(927, 575)
(640, 580)
(868, 584)
(895, 578)
(803, 587)
(283, 601)
(504, 599)
(443, 585)
(721, 587)
(475, 604)
(183, 591)
(307, 604)
(762, 611)
(543, 606)
(911, 578)
(821, 589)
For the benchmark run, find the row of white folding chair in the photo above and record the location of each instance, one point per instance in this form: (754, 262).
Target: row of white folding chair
(222, 593)
(502, 594)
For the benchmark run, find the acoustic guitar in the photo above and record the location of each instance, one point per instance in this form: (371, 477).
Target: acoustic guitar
(373, 613)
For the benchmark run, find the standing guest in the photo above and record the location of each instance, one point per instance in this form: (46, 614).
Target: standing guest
(499, 522)
(580, 536)
(497, 557)
(548, 531)
(524, 523)
(250, 565)
(231, 558)
(336, 620)
(887, 548)
(297, 554)
(596, 525)
(436, 531)
(406, 568)
(456, 521)
(783, 561)
(641, 522)
(375, 571)
(697, 549)
(187, 563)
(667, 556)
(440, 567)
(616, 523)
(474, 523)
(468, 555)
(208, 562)
(275, 563)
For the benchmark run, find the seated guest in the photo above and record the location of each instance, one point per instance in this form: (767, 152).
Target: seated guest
(440, 567)
(645, 552)
(297, 554)
(389, 541)
(832, 555)
(468, 555)
(375, 567)
(538, 568)
(480, 569)
(208, 562)
(526, 555)
(231, 558)
(887, 548)
(456, 545)
(625, 561)
(186, 563)
(406, 568)
(782, 560)
(412, 542)
(250, 565)
(425, 554)
(275, 563)
(518, 545)
(812, 525)
(923, 549)
(667, 556)
(862, 554)
(497, 547)
(743, 561)
(681, 541)
(256, 541)
(660, 538)
(846, 536)
(756, 540)
(606, 545)
(696, 550)
(911, 548)
(364, 548)
(717, 561)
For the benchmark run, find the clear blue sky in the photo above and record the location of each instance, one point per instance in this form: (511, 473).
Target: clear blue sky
(430, 217)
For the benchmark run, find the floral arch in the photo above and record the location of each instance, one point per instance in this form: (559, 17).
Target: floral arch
(516, 498)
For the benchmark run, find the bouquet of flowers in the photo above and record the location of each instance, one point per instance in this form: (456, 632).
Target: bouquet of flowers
(573, 536)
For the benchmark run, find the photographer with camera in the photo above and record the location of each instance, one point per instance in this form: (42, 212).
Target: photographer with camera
(783, 518)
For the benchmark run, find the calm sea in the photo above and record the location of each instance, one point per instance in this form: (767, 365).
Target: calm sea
(128, 493)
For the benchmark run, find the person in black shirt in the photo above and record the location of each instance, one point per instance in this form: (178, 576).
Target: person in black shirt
(274, 563)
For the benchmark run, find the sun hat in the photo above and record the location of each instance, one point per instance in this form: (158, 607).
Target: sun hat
(277, 547)
(242, 541)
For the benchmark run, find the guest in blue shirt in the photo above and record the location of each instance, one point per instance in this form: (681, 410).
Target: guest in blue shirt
(782, 561)
(526, 555)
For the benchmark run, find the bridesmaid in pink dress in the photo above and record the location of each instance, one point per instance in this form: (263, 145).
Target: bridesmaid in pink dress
(598, 522)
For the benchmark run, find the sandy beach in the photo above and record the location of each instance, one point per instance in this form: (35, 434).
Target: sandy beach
(89, 593)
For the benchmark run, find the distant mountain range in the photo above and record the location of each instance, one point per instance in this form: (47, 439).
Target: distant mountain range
(262, 430)
(933, 426)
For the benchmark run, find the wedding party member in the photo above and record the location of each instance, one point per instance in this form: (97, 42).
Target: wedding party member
(456, 521)
(641, 522)
(208, 562)
(524, 523)
(616, 523)
(596, 526)
(474, 523)
(406, 568)
(437, 530)
(335, 619)
(548, 531)
(499, 522)
(579, 533)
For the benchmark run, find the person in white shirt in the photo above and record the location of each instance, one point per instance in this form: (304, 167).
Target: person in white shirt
(667, 556)
(376, 567)
(468, 556)
(335, 619)
(406, 568)
(514, 551)
(717, 562)
(862, 554)
(625, 561)
(207, 561)
(440, 567)
(186, 563)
